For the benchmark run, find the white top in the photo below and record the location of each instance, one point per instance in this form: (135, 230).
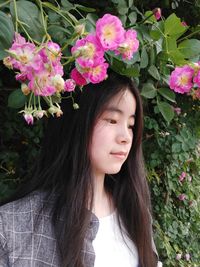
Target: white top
(111, 249)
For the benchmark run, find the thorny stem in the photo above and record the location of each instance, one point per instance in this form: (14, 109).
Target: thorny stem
(57, 11)
(43, 19)
(4, 4)
(29, 102)
(16, 15)
(68, 61)
(188, 36)
(76, 9)
(39, 104)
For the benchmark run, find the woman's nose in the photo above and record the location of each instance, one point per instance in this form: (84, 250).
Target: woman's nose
(124, 135)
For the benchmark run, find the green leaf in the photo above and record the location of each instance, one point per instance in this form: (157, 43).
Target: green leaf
(123, 10)
(144, 58)
(151, 18)
(173, 26)
(170, 48)
(91, 22)
(166, 110)
(155, 34)
(133, 17)
(177, 58)
(168, 94)
(85, 9)
(130, 3)
(157, 30)
(67, 5)
(190, 48)
(176, 148)
(152, 56)
(6, 34)
(32, 20)
(16, 99)
(123, 19)
(57, 32)
(153, 71)
(148, 91)
(131, 72)
(117, 65)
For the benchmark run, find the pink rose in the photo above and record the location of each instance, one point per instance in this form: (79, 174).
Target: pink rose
(69, 85)
(78, 78)
(181, 79)
(110, 32)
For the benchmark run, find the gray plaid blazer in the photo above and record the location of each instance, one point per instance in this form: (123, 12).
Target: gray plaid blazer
(23, 246)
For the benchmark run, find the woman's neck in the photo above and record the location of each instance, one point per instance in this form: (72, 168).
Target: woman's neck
(102, 200)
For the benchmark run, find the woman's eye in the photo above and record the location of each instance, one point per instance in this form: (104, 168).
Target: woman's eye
(111, 121)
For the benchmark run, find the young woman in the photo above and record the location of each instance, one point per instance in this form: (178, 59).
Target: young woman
(88, 202)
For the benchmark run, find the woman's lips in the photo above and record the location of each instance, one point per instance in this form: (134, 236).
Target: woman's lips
(119, 155)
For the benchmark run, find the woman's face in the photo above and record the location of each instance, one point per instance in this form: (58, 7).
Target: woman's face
(113, 135)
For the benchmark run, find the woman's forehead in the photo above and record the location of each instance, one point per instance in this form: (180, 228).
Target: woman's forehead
(124, 100)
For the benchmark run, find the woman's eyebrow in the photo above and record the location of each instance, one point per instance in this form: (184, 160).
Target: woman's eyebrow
(114, 109)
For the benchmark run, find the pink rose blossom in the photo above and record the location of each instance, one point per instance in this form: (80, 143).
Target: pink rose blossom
(182, 197)
(182, 176)
(28, 118)
(97, 73)
(38, 114)
(21, 52)
(22, 55)
(129, 46)
(18, 39)
(50, 52)
(187, 256)
(181, 79)
(78, 78)
(88, 51)
(58, 82)
(69, 85)
(157, 13)
(41, 84)
(22, 77)
(184, 24)
(178, 256)
(177, 110)
(110, 32)
(35, 65)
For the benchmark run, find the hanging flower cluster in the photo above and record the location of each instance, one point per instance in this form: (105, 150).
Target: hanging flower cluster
(110, 35)
(40, 70)
(183, 79)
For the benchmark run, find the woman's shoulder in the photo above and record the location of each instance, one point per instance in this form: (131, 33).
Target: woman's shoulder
(26, 208)
(27, 203)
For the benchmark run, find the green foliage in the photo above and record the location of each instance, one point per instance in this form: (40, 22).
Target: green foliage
(173, 151)
(16, 99)
(6, 34)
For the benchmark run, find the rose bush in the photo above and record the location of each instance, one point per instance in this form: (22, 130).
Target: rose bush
(166, 70)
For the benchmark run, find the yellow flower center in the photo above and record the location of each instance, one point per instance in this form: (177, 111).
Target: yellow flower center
(109, 33)
(23, 58)
(97, 70)
(183, 80)
(88, 50)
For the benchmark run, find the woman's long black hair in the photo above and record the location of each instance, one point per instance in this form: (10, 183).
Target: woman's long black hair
(63, 170)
